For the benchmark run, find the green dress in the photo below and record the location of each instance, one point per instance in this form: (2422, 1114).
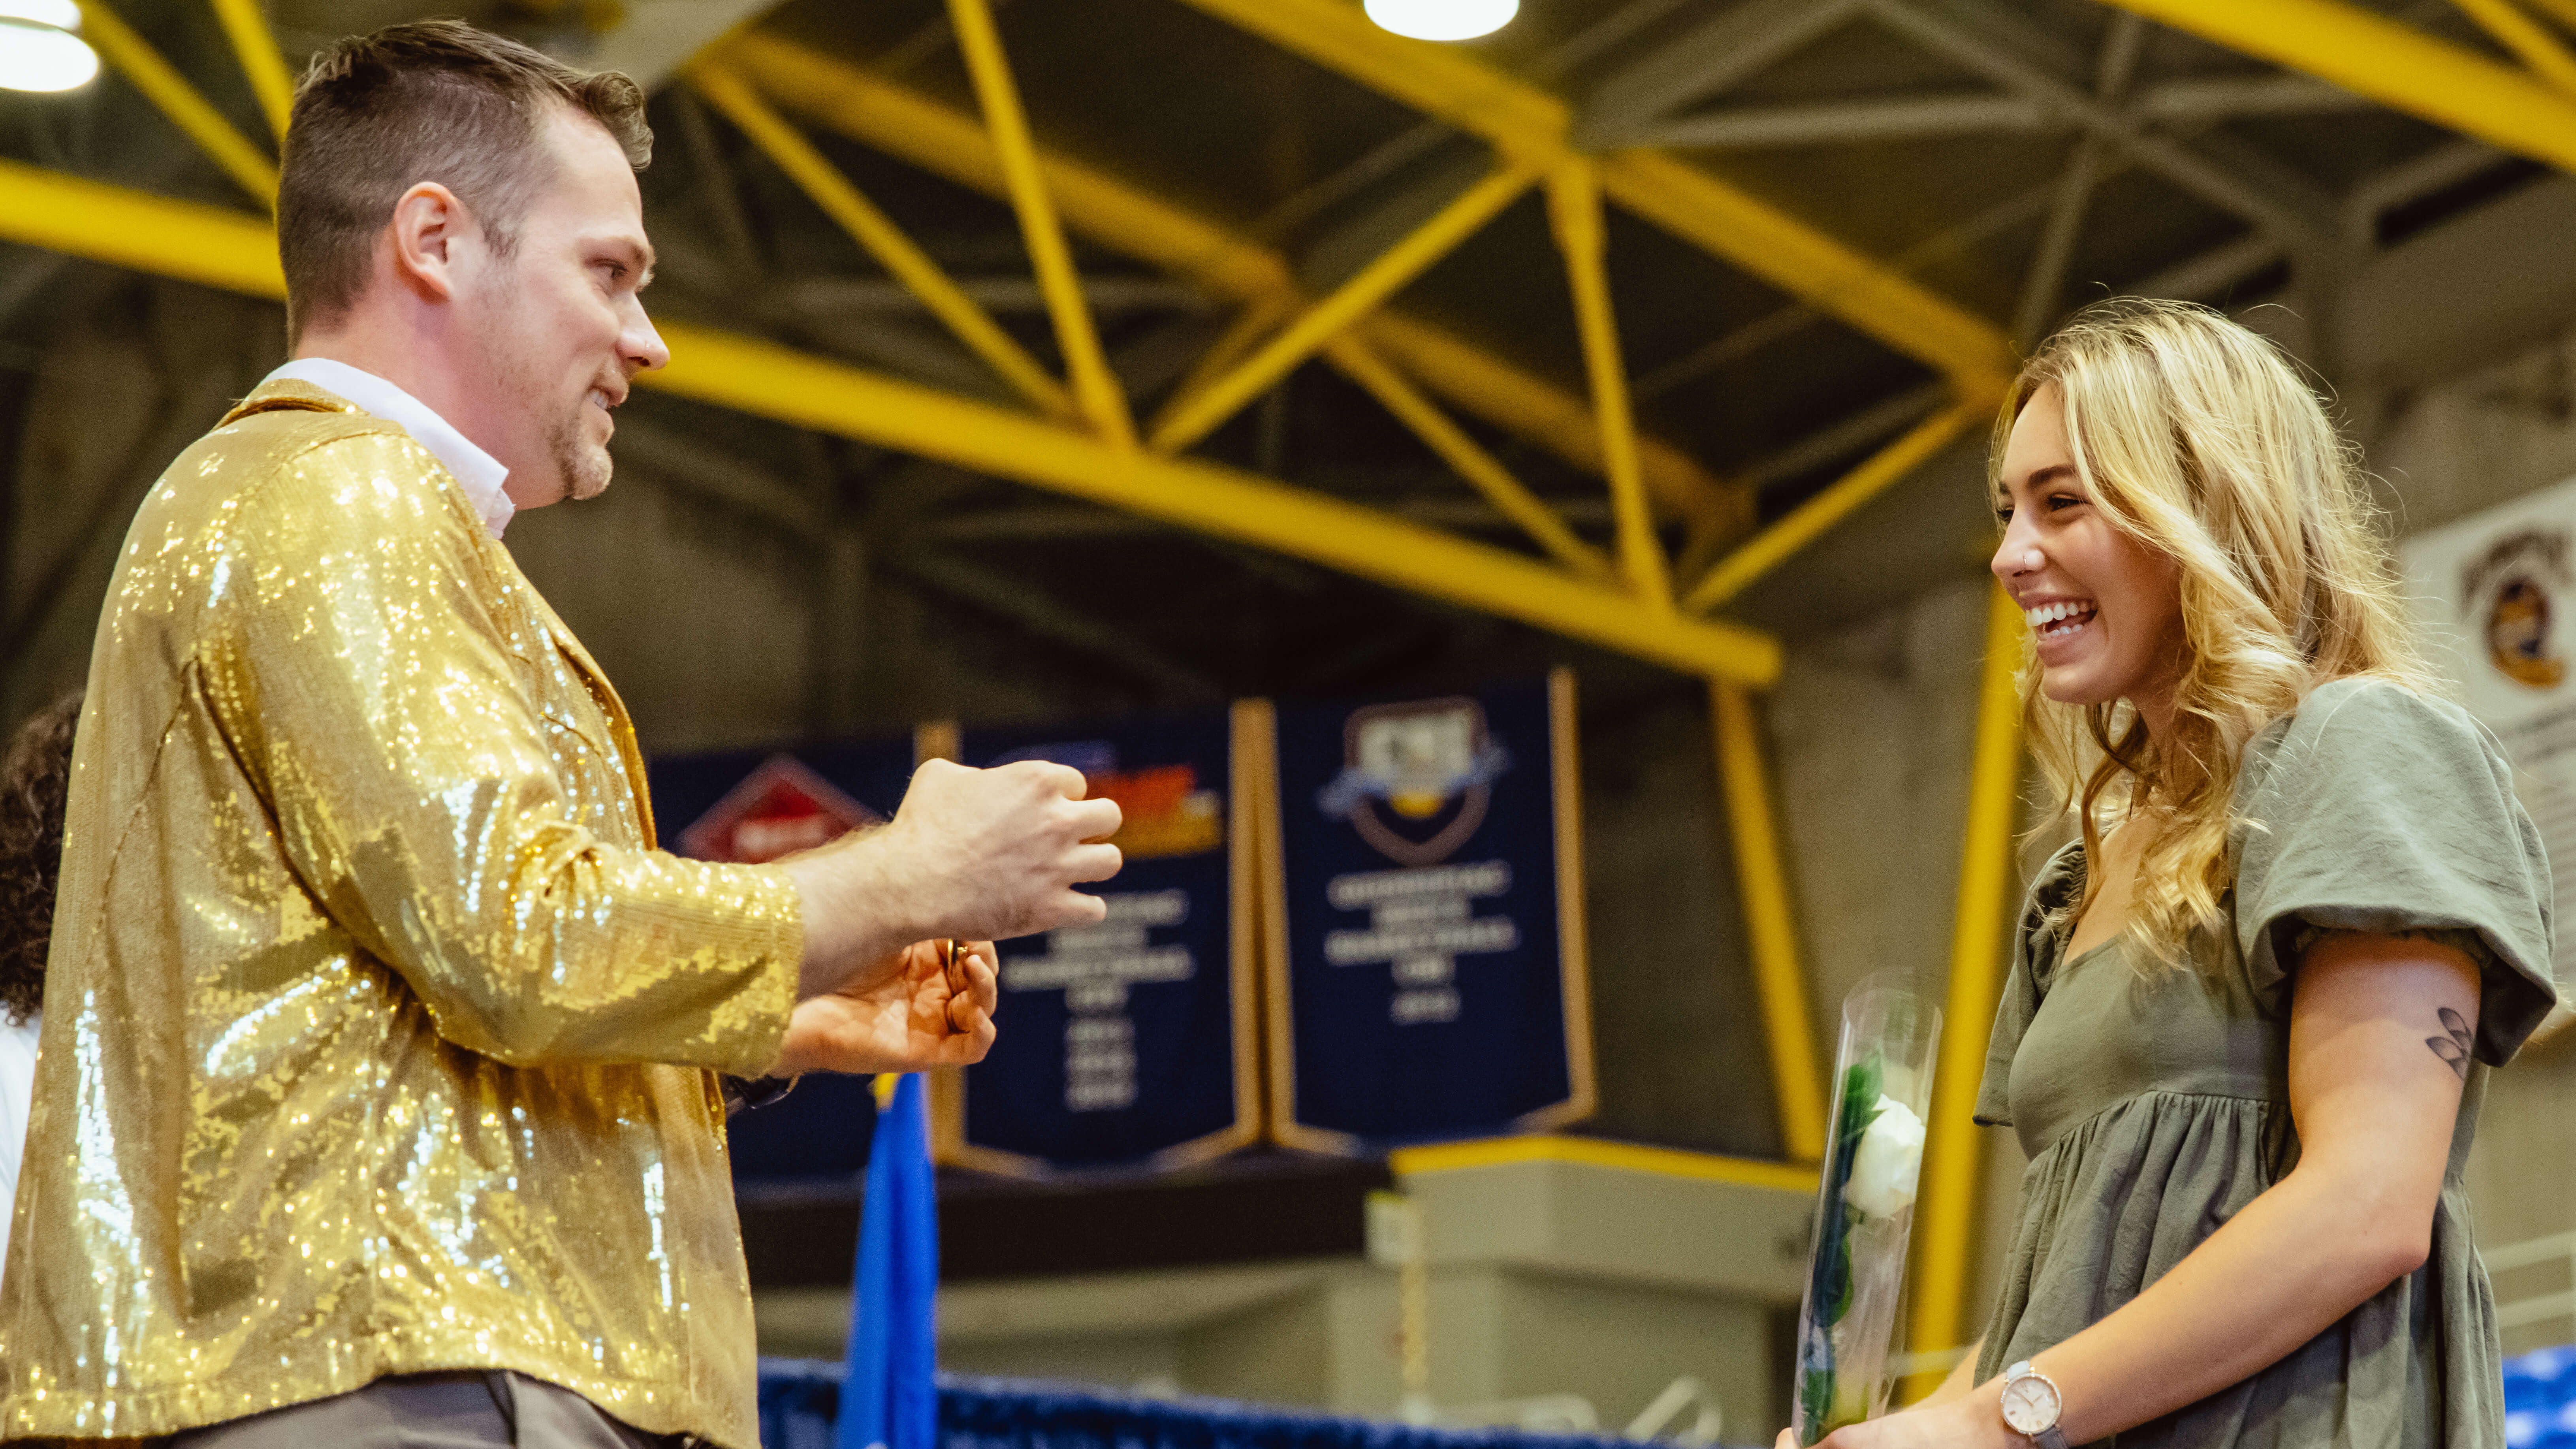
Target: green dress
(2154, 1106)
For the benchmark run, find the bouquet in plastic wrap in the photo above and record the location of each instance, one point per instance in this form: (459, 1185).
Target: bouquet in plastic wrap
(1865, 1205)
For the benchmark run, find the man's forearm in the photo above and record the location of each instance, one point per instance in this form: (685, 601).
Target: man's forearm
(853, 912)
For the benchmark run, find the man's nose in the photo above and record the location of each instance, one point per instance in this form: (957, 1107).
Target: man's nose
(642, 345)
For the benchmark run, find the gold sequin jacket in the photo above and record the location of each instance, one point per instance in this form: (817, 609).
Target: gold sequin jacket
(378, 1037)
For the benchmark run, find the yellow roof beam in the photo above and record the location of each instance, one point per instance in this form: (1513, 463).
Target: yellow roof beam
(754, 376)
(2393, 64)
(1095, 387)
(213, 246)
(1699, 208)
(136, 60)
(255, 46)
(1574, 210)
(942, 140)
(1946, 1225)
(1521, 403)
(876, 233)
(938, 138)
(1196, 414)
(1770, 930)
(1482, 470)
(1860, 291)
(1763, 552)
(238, 252)
(2527, 38)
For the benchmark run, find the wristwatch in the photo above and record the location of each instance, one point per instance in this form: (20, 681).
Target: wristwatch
(2032, 1404)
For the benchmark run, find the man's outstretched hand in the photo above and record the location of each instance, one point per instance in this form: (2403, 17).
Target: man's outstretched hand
(978, 854)
(907, 1016)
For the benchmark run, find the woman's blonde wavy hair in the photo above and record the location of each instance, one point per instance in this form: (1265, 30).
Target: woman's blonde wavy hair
(2196, 437)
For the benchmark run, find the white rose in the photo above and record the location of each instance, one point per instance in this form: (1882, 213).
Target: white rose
(1890, 1158)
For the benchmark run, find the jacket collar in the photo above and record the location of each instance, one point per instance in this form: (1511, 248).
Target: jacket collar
(338, 387)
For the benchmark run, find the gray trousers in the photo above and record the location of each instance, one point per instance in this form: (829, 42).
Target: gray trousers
(471, 1409)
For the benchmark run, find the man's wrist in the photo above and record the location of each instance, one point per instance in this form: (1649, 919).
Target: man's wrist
(857, 909)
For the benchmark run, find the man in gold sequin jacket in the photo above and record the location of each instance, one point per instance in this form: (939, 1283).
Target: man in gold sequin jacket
(380, 1042)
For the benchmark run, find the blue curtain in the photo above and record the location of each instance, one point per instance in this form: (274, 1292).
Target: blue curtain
(799, 1400)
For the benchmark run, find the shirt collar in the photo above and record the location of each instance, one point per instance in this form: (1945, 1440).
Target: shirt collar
(477, 472)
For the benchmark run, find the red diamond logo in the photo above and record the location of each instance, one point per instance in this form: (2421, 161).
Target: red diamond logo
(779, 809)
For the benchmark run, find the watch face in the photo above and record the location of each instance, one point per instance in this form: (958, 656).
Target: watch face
(2030, 1404)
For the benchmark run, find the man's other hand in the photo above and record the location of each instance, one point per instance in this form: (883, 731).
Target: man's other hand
(996, 853)
(971, 854)
(905, 1014)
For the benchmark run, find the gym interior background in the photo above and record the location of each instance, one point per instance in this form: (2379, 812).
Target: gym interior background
(1276, 356)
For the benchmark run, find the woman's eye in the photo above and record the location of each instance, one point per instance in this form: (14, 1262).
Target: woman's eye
(2058, 501)
(2003, 515)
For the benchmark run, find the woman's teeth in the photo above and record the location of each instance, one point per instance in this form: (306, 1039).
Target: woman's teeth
(2055, 621)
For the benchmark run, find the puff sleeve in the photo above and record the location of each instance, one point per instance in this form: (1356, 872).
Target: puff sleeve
(2378, 809)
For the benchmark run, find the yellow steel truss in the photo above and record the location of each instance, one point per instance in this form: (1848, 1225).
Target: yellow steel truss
(169, 92)
(1693, 205)
(1095, 387)
(2528, 39)
(1509, 496)
(236, 252)
(877, 234)
(1729, 575)
(1574, 209)
(2394, 64)
(1199, 413)
(247, 30)
(1950, 1169)
(942, 140)
(1770, 929)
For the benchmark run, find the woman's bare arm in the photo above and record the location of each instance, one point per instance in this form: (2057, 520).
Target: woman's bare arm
(2378, 1033)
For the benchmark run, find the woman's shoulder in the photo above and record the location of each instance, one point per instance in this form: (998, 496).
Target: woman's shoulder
(2370, 725)
(2058, 883)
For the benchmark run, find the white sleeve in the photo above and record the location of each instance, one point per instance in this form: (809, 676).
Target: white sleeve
(17, 1084)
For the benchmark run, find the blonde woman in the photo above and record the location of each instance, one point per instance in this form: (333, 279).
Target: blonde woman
(2251, 1012)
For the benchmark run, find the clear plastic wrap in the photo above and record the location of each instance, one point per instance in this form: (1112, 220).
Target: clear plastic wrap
(1865, 1205)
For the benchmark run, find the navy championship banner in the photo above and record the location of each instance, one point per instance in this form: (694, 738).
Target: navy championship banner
(1129, 1044)
(754, 806)
(1427, 961)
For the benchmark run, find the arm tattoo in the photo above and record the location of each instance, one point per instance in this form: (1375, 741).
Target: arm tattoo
(2453, 1048)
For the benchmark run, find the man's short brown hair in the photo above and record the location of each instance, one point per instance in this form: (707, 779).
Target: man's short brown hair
(431, 100)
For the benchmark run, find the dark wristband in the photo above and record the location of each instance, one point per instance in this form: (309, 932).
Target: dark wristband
(741, 1094)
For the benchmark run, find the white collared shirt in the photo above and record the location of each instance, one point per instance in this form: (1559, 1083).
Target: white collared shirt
(478, 472)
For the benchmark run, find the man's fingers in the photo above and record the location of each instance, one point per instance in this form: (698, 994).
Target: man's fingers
(1056, 779)
(1095, 819)
(974, 994)
(1073, 908)
(1093, 862)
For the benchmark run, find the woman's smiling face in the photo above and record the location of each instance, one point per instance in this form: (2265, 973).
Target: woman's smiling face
(2106, 609)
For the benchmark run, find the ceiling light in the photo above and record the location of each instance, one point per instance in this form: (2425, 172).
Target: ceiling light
(1438, 19)
(38, 51)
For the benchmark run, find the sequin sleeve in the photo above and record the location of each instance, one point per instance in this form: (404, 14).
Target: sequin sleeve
(368, 689)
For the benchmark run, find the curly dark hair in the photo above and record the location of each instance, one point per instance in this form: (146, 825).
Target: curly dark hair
(34, 780)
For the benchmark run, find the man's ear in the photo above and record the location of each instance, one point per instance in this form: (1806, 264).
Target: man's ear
(429, 227)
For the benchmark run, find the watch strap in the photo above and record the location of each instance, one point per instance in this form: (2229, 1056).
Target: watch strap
(2049, 1438)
